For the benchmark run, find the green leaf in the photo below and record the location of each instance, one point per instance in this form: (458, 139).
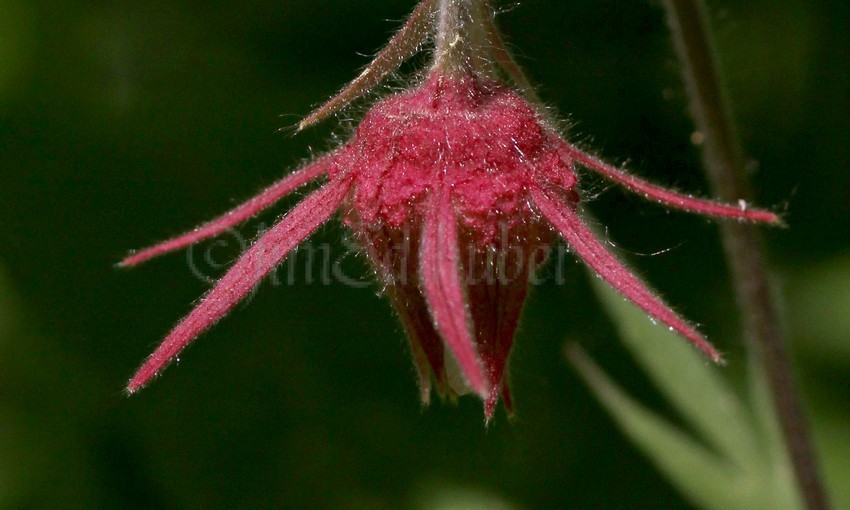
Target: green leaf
(734, 460)
(691, 383)
(707, 479)
(776, 465)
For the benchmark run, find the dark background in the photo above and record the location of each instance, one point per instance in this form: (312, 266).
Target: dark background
(123, 122)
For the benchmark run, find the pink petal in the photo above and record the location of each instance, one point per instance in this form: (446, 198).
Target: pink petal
(588, 247)
(443, 290)
(665, 196)
(241, 213)
(254, 264)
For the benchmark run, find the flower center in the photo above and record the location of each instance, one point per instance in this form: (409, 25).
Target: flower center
(481, 139)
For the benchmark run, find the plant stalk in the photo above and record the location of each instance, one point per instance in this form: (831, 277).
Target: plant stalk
(461, 38)
(724, 163)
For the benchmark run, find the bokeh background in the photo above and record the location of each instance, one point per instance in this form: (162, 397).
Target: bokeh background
(122, 123)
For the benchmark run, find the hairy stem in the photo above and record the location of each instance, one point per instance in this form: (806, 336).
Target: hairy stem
(461, 37)
(724, 164)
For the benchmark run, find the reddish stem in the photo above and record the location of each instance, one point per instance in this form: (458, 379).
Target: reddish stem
(724, 164)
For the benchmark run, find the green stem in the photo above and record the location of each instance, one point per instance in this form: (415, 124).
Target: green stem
(724, 164)
(461, 40)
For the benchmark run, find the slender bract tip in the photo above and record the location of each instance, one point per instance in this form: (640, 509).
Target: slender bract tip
(307, 121)
(153, 366)
(133, 259)
(713, 354)
(763, 216)
(137, 382)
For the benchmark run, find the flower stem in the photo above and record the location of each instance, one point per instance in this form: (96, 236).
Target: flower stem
(461, 37)
(723, 160)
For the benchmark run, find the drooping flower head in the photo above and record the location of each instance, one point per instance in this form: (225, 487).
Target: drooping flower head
(456, 189)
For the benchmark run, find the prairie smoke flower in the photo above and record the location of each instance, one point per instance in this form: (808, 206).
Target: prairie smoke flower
(448, 187)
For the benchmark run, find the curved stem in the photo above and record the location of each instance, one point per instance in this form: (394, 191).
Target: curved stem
(724, 164)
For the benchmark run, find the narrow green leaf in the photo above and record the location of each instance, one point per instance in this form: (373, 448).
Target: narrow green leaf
(693, 385)
(776, 467)
(708, 480)
(743, 437)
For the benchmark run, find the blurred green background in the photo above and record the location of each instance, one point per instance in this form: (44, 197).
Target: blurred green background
(122, 123)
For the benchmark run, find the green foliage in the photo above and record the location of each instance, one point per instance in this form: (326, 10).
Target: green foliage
(727, 455)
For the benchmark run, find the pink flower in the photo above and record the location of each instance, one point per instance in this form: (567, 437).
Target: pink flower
(456, 189)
